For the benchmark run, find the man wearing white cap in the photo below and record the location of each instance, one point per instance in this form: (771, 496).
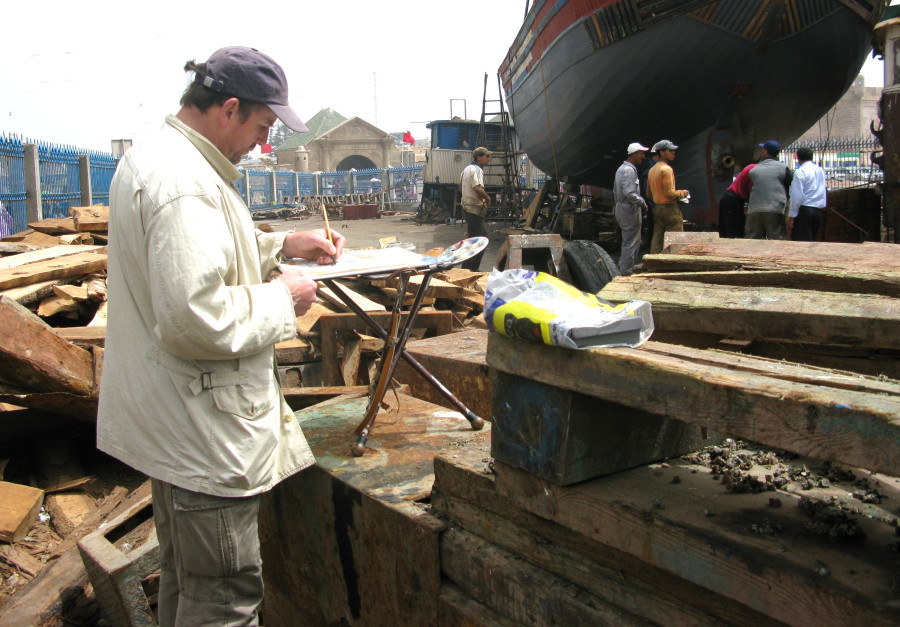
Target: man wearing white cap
(629, 207)
(189, 394)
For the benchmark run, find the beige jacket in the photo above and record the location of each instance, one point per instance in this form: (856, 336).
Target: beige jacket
(189, 393)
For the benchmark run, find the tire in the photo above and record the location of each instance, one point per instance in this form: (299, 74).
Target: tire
(590, 267)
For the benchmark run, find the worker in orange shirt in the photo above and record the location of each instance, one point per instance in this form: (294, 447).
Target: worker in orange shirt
(661, 181)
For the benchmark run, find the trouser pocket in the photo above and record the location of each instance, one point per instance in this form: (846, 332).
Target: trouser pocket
(217, 547)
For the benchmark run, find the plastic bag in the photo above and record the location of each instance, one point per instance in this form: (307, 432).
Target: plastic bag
(538, 307)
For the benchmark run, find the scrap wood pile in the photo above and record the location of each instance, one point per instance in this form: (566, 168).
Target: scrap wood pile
(52, 329)
(336, 348)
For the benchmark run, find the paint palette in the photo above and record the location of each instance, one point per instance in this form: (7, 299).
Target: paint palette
(462, 250)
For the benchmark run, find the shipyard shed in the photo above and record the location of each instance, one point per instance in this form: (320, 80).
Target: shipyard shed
(741, 467)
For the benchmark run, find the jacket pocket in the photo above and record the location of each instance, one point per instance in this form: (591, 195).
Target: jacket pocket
(244, 401)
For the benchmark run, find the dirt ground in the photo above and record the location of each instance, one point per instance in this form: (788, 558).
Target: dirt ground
(366, 233)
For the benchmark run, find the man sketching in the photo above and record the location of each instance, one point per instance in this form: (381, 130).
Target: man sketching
(189, 394)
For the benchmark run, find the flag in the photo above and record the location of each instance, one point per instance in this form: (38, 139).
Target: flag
(408, 138)
(265, 148)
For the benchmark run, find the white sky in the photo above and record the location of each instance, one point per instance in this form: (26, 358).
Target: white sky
(83, 74)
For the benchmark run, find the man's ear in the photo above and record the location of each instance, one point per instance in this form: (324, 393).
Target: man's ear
(228, 112)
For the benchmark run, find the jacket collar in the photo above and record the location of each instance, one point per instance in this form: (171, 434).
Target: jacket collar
(212, 154)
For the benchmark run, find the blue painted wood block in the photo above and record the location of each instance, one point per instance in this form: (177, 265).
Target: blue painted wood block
(566, 437)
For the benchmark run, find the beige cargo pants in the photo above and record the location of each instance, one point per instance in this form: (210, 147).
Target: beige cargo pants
(210, 566)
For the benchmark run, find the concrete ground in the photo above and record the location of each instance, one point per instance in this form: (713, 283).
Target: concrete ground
(366, 233)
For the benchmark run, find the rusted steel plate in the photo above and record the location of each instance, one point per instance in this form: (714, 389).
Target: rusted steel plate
(398, 462)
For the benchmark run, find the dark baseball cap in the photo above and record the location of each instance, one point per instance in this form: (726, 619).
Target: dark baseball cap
(249, 74)
(664, 144)
(771, 146)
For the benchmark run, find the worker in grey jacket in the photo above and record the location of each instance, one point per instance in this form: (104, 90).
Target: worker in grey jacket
(768, 202)
(629, 207)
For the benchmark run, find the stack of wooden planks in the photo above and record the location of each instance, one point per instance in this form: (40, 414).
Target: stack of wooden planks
(819, 303)
(766, 537)
(803, 532)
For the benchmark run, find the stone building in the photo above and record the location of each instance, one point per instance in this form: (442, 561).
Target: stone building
(334, 142)
(850, 116)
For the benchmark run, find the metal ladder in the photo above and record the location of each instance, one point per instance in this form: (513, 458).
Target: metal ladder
(504, 159)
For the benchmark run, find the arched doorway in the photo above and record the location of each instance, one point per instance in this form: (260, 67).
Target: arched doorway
(355, 162)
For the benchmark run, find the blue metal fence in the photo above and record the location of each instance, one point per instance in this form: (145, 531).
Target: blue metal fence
(12, 183)
(405, 183)
(285, 181)
(366, 181)
(333, 183)
(260, 188)
(103, 166)
(59, 179)
(306, 182)
(60, 187)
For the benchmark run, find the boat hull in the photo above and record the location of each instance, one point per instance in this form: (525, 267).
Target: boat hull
(714, 92)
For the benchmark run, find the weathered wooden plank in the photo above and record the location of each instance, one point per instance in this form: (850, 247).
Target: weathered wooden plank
(72, 265)
(100, 316)
(703, 270)
(816, 419)
(509, 586)
(53, 226)
(63, 583)
(56, 304)
(21, 560)
(436, 287)
(294, 351)
(465, 496)
(460, 276)
(31, 294)
(93, 218)
(364, 303)
(310, 320)
(76, 238)
(119, 495)
(779, 369)
(764, 312)
(30, 236)
(17, 248)
(811, 255)
(644, 513)
(83, 336)
(37, 359)
(350, 360)
(458, 609)
(19, 507)
(44, 254)
(876, 362)
(83, 408)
